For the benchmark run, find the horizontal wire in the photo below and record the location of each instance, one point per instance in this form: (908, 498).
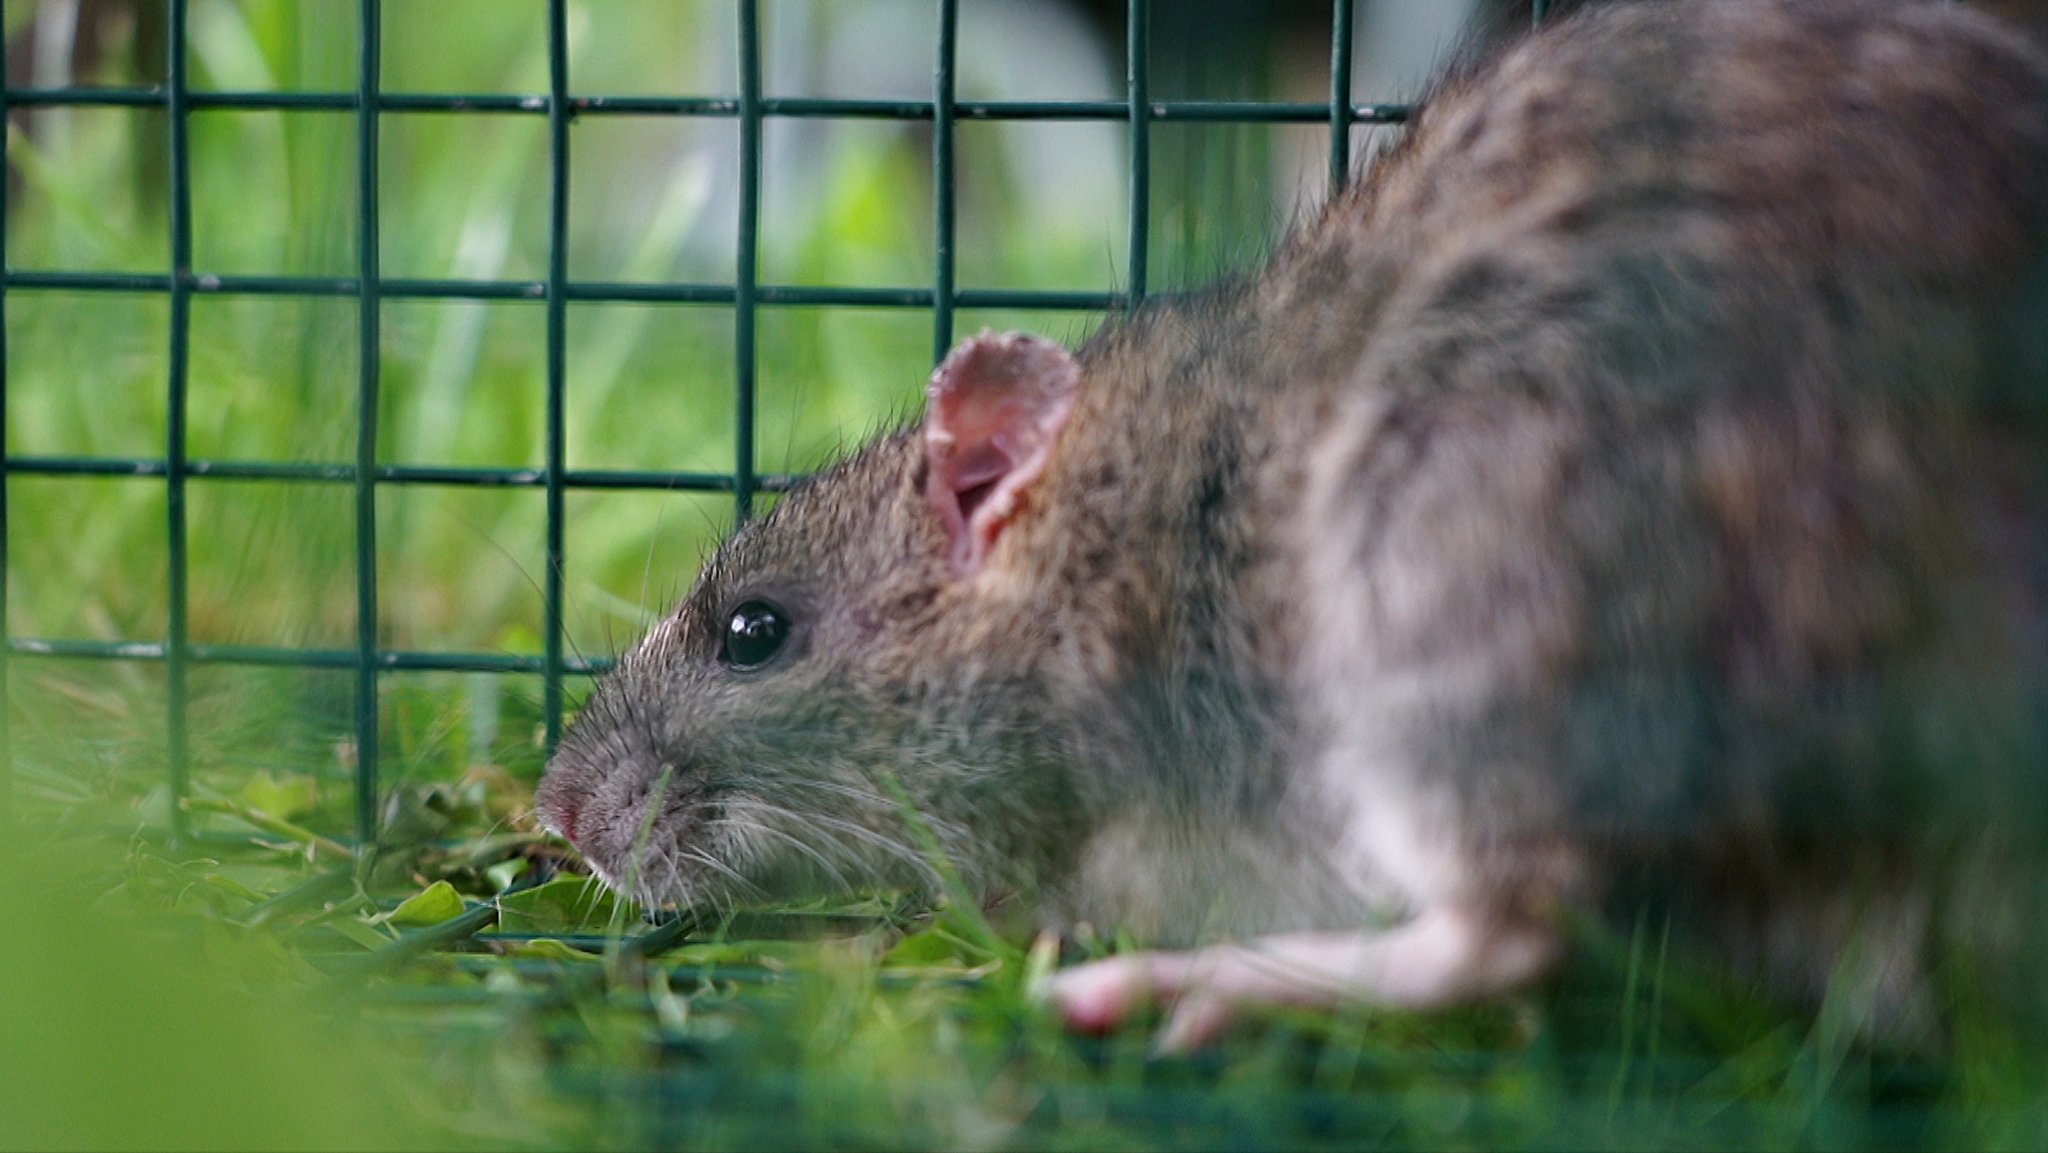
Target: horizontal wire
(304, 472)
(589, 291)
(1235, 111)
(393, 660)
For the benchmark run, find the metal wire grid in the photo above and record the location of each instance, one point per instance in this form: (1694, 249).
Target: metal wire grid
(745, 295)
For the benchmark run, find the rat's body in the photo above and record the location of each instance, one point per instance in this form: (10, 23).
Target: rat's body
(1632, 491)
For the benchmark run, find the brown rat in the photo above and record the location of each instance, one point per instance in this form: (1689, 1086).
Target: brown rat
(1629, 494)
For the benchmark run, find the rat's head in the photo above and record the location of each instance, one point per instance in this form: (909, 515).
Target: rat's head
(837, 668)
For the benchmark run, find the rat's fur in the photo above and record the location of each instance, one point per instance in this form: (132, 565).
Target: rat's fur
(1632, 490)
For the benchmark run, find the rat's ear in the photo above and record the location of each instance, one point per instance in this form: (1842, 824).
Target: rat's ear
(992, 410)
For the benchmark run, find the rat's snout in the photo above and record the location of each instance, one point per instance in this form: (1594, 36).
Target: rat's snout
(556, 805)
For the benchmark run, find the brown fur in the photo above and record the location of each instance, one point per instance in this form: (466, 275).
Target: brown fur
(1630, 491)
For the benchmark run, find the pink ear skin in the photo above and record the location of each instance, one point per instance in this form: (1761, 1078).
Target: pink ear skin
(992, 411)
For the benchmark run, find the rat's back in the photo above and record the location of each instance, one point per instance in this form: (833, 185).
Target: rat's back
(1810, 129)
(1678, 529)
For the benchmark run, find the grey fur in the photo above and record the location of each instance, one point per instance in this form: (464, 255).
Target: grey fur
(1631, 491)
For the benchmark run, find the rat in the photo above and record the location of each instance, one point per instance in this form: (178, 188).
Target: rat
(1627, 495)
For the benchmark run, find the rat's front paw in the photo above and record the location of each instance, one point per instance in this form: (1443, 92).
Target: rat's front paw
(1441, 957)
(1103, 996)
(1100, 996)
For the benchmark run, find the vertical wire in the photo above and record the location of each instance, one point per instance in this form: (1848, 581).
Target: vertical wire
(6, 632)
(369, 320)
(175, 647)
(557, 361)
(746, 264)
(1537, 10)
(1340, 95)
(943, 91)
(1136, 65)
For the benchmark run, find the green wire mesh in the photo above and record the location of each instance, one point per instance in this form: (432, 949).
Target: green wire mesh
(745, 294)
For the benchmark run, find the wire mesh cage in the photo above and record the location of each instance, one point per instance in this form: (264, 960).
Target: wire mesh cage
(368, 290)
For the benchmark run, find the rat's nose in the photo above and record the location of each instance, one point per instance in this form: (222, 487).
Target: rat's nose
(556, 809)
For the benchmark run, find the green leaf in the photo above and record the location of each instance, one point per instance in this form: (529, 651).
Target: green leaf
(436, 903)
(280, 797)
(233, 887)
(564, 905)
(768, 954)
(502, 874)
(943, 947)
(360, 931)
(549, 949)
(923, 951)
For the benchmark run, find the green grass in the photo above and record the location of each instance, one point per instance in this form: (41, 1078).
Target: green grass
(180, 984)
(171, 999)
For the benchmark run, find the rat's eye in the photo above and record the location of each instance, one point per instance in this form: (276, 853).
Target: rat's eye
(754, 634)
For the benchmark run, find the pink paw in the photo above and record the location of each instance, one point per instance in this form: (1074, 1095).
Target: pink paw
(1446, 956)
(1103, 996)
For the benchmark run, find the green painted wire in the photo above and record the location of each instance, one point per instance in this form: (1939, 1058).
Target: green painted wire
(747, 260)
(368, 363)
(1137, 67)
(178, 128)
(6, 628)
(1340, 94)
(557, 367)
(943, 92)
